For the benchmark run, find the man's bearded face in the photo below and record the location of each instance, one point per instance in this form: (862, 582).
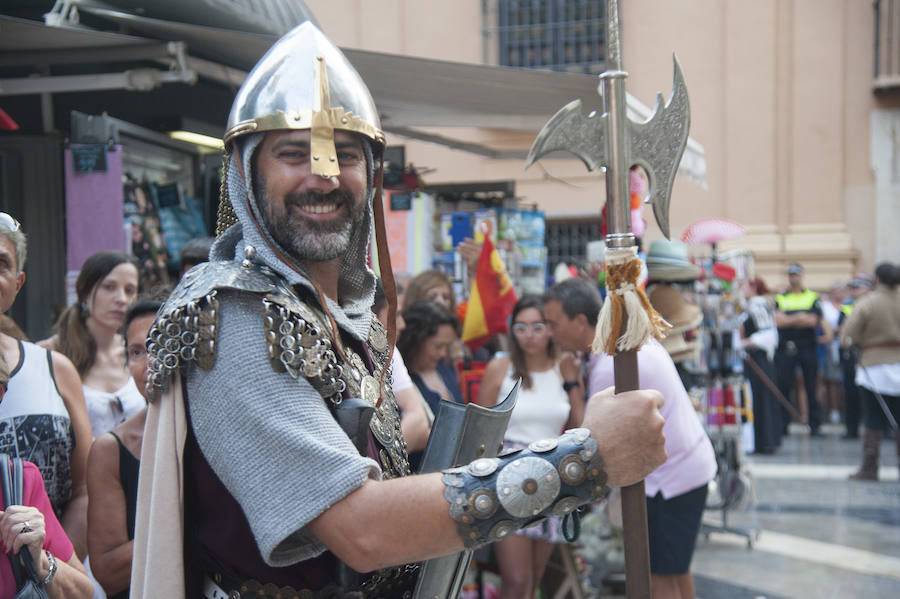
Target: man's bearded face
(313, 218)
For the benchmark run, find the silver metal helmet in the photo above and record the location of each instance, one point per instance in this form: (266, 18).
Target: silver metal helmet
(305, 82)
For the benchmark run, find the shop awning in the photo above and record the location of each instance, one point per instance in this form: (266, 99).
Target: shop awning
(412, 93)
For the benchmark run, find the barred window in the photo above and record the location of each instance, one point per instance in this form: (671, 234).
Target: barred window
(561, 35)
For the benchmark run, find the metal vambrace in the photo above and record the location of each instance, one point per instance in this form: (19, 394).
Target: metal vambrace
(492, 497)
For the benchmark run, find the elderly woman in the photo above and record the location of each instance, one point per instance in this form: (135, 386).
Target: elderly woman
(874, 327)
(34, 526)
(113, 470)
(43, 416)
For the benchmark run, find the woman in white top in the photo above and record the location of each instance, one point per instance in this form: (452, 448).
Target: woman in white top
(550, 400)
(88, 334)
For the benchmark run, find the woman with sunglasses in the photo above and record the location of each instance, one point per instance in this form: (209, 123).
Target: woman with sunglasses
(550, 400)
(42, 415)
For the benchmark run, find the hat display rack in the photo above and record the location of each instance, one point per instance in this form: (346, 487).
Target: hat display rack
(713, 373)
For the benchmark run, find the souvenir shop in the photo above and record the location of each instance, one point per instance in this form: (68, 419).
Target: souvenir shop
(137, 189)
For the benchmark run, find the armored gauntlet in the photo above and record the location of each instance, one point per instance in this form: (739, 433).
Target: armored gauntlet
(492, 497)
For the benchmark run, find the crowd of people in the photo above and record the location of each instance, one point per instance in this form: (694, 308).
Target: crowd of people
(243, 436)
(816, 354)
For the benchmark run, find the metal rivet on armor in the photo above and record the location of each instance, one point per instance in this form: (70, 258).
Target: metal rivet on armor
(483, 503)
(543, 446)
(344, 120)
(564, 506)
(249, 252)
(234, 595)
(529, 486)
(481, 450)
(581, 434)
(298, 117)
(572, 470)
(501, 529)
(483, 466)
(332, 158)
(315, 156)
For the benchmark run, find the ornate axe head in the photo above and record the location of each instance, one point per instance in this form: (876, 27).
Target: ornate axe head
(656, 145)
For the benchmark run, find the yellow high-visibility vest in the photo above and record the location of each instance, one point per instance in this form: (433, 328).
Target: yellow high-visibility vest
(796, 302)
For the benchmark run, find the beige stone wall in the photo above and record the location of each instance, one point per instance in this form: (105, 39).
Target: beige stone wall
(781, 97)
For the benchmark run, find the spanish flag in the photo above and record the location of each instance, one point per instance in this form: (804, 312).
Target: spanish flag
(491, 300)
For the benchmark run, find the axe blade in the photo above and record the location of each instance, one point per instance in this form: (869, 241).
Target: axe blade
(571, 131)
(658, 143)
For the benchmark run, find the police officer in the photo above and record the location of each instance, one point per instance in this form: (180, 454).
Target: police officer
(798, 314)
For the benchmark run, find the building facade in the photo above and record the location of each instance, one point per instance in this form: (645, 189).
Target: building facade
(799, 130)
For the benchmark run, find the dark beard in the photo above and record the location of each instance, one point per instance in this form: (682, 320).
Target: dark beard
(307, 240)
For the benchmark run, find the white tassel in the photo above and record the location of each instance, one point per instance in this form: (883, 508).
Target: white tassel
(639, 326)
(604, 327)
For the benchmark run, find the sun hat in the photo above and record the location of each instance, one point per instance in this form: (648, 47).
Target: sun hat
(671, 305)
(667, 261)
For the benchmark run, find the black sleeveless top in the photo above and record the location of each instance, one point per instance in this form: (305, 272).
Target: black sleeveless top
(128, 476)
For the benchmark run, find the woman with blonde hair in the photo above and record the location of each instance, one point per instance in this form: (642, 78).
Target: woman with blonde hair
(430, 285)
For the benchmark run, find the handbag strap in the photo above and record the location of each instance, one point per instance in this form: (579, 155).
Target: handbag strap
(18, 495)
(7, 478)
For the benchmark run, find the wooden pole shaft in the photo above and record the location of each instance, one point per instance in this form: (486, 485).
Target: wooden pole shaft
(634, 500)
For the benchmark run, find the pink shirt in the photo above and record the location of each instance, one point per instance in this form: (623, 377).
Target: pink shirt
(691, 462)
(55, 541)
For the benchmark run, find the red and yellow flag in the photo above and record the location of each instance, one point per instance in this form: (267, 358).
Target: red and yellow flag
(491, 300)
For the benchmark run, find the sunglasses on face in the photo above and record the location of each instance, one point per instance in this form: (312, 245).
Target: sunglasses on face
(522, 328)
(9, 222)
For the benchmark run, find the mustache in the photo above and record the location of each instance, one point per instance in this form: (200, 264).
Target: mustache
(311, 198)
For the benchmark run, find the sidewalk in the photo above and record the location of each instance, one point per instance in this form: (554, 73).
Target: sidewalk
(821, 535)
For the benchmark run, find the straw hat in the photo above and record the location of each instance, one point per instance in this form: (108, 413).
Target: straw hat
(679, 349)
(671, 305)
(667, 261)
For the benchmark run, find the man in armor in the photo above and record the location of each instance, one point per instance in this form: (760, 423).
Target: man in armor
(273, 445)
